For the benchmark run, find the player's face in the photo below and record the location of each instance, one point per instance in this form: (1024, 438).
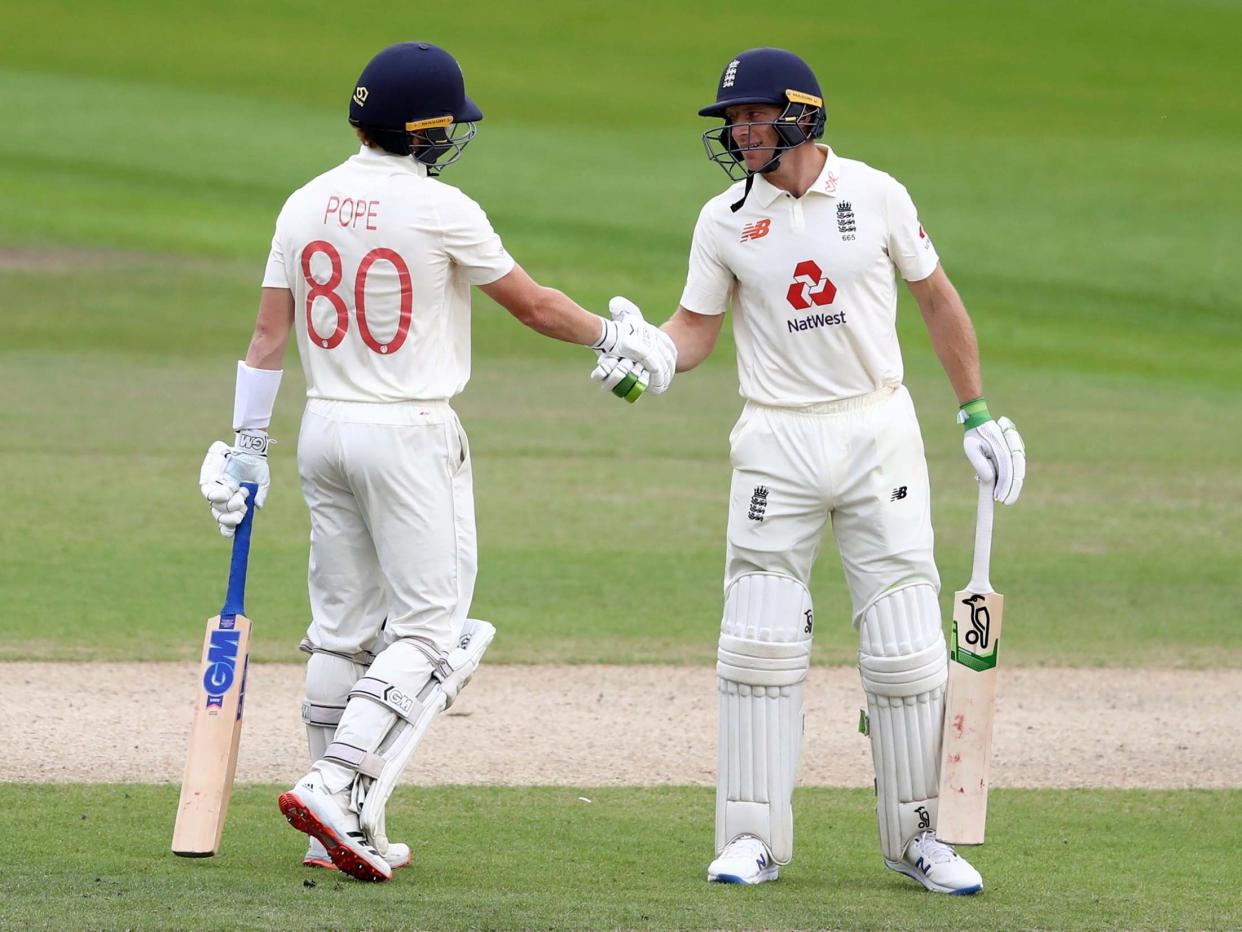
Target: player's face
(757, 142)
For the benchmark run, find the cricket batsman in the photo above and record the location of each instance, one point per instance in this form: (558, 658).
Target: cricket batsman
(371, 266)
(806, 248)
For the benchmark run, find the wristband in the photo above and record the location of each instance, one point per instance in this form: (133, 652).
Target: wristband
(254, 397)
(608, 339)
(973, 413)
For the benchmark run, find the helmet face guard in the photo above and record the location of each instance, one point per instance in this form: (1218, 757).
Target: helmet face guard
(802, 119)
(430, 141)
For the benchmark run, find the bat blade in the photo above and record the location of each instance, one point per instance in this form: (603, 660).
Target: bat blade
(214, 736)
(970, 705)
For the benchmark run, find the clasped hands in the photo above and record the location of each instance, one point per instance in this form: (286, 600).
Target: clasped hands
(633, 355)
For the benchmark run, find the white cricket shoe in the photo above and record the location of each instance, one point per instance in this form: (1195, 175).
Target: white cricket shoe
(397, 855)
(937, 866)
(746, 859)
(310, 809)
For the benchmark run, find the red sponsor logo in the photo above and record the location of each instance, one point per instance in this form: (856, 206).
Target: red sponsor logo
(810, 286)
(922, 235)
(756, 230)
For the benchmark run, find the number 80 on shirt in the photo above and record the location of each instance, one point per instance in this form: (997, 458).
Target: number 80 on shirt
(327, 291)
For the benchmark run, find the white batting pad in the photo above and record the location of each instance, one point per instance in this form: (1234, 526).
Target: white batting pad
(329, 678)
(389, 711)
(763, 657)
(904, 665)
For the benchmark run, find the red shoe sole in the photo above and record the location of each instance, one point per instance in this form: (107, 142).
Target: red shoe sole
(346, 860)
(329, 866)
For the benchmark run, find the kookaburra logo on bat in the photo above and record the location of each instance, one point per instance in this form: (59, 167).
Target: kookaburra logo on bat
(980, 622)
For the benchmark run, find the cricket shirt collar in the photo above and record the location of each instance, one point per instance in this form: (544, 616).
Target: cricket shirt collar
(378, 157)
(826, 182)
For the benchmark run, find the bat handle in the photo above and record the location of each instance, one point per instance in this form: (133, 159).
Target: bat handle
(235, 600)
(983, 541)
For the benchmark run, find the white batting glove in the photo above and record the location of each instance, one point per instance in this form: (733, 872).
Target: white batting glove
(629, 336)
(223, 471)
(995, 449)
(625, 378)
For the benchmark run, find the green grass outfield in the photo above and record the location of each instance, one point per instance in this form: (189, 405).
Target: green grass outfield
(1077, 165)
(541, 858)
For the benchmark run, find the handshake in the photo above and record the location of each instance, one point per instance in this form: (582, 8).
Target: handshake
(633, 354)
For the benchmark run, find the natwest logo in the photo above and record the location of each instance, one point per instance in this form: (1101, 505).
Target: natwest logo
(810, 286)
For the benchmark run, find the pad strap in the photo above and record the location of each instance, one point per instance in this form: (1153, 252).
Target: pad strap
(366, 763)
(325, 716)
(363, 657)
(408, 707)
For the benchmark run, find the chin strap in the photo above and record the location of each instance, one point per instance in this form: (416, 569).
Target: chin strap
(771, 166)
(750, 182)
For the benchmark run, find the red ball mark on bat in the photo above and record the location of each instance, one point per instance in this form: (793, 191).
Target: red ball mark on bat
(959, 724)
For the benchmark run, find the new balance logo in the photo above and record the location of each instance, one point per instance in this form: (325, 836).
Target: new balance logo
(758, 503)
(898, 493)
(762, 861)
(756, 230)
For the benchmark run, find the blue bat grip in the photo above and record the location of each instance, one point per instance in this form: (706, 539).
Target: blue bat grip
(235, 600)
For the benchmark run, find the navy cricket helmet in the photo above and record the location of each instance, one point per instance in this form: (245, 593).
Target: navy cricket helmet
(411, 100)
(765, 76)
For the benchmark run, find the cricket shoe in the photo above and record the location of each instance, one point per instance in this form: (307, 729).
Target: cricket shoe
(310, 808)
(937, 866)
(397, 856)
(746, 859)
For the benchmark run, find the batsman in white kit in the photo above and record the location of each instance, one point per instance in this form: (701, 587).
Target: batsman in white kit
(371, 265)
(806, 248)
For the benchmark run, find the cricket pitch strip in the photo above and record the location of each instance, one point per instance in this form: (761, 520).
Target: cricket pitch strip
(519, 725)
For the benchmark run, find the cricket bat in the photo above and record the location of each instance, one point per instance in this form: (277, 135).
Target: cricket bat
(212, 759)
(970, 700)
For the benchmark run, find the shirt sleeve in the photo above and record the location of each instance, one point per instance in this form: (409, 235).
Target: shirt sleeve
(709, 282)
(473, 245)
(909, 246)
(276, 275)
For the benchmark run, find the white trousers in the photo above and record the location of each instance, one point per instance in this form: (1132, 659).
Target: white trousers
(393, 551)
(859, 463)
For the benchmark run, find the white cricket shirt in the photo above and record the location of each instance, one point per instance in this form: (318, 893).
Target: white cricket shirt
(380, 259)
(812, 281)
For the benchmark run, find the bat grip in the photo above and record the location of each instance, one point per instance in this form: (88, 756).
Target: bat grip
(235, 600)
(983, 541)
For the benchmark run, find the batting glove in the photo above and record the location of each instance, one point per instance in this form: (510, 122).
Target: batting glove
(623, 377)
(629, 336)
(994, 448)
(223, 471)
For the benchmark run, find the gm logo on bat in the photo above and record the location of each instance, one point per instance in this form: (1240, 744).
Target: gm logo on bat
(221, 666)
